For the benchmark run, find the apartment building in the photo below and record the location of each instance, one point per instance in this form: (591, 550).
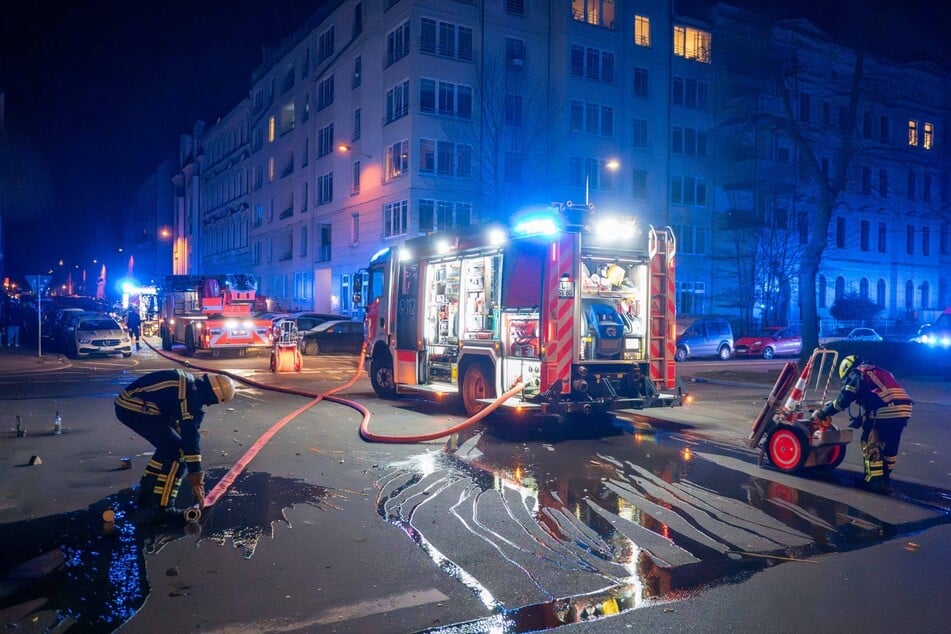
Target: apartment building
(376, 122)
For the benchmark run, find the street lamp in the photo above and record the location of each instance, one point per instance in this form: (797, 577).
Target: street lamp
(344, 148)
(611, 164)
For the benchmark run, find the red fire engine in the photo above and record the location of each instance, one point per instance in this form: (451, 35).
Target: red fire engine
(577, 306)
(212, 313)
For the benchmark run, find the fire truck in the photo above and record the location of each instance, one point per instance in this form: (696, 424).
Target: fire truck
(578, 306)
(212, 313)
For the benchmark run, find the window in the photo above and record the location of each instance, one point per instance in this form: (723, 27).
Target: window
(322, 253)
(642, 30)
(596, 12)
(910, 239)
(688, 190)
(445, 158)
(692, 239)
(691, 43)
(592, 63)
(395, 217)
(913, 133)
(640, 184)
(866, 180)
(805, 106)
(909, 295)
(395, 160)
(270, 169)
(803, 225)
(640, 82)
(325, 188)
(839, 287)
(303, 285)
(690, 93)
(445, 98)
(438, 215)
(926, 189)
(356, 124)
(258, 215)
(514, 53)
(513, 110)
(883, 129)
(355, 179)
(325, 45)
(880, 293)
(911, 185)
(357, 19)
(863, 288)
(882, 237)
(303, 242)
(944, 239)
(357, 72)
(591, 118)
(928, 139)
(822, 291)
(689, 142)
(271, 129)
(515, 7)
(325, 93)
(883, 182)
(926, 241)
(840, 232)
(304, 195)
(397, 44)
(445, 39)
(325, 140)
(864, 242)
(354, 229)
(640, 133)
(397, 102)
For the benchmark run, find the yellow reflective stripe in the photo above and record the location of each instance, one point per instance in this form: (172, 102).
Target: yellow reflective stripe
(193, 457)
(170, 479)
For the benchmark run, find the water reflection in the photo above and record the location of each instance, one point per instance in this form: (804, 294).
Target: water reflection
(548, 533)
(74, 569)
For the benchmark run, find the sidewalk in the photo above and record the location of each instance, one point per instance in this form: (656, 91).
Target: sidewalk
(25, 360)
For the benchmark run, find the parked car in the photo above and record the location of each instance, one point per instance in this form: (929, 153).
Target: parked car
(863, 334)
(937, 334)
(704, 337)
(308, 321)
(64, 329)
(772, 342)
(100, 335)
(342, 335)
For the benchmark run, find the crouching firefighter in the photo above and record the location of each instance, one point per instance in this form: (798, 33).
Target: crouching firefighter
(884, 410)
(165, 408)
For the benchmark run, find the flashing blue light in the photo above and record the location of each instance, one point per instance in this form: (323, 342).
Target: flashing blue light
(380, 254)
(537, 225)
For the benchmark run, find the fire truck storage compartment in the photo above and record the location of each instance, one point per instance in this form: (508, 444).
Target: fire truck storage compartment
(613, 294)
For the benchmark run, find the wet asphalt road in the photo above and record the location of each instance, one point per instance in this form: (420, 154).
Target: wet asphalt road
(510, 527)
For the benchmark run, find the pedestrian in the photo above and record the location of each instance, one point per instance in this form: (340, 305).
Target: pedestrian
(884, 410)
(11, 319)
(165, 408)
(133, 321)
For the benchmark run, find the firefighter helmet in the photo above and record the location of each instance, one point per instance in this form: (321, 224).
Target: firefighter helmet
(221, 386)
(847, 364)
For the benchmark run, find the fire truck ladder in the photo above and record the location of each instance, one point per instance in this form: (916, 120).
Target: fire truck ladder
(663, 310)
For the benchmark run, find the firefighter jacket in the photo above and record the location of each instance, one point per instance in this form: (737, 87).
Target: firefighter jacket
(876, 391)
(169, 397)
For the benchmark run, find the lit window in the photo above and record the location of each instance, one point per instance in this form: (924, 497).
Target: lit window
(270, 130)
(928, 141)
(270, 169)
(642, 30)
(692, 43)
(597, 12)
(912, 132)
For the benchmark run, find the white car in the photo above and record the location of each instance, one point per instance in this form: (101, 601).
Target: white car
(863, 334)
(100, 335)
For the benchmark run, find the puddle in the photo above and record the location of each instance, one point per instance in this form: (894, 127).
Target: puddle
(548, 533)
(73, 569)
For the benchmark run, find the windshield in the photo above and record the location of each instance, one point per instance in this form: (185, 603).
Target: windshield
(98, 324)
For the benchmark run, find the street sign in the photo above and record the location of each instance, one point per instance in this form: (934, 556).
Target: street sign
(39, 283)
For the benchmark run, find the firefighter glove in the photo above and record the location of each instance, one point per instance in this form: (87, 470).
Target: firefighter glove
(197, 482)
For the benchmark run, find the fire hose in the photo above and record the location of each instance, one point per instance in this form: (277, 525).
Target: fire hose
(193, 514)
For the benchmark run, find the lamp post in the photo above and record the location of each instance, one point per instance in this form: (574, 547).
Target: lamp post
(611, 164)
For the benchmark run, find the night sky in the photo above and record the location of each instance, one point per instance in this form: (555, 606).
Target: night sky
(99, 91)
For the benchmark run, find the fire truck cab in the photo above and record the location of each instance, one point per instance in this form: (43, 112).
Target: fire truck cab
(577, 306)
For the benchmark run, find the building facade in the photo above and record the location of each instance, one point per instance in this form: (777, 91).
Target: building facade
(376, 122)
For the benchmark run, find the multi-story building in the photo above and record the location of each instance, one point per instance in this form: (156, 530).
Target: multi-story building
(801, 118)
(379, 121)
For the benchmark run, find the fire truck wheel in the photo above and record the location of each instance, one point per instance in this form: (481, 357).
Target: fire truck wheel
(786, 448)
(476, 384)
(166, 341)
(190, 341)
(381, 376)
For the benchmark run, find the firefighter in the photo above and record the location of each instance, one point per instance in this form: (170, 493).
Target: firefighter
(165, 408)
(884, 410)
